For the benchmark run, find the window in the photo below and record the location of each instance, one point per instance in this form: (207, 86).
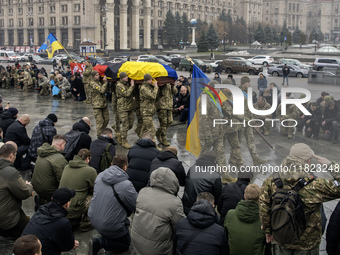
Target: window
(30, 9)
(151, 23)
(141, 12)
(52, 8)
(1, 12)
(151, 13)
(1, 23)
(160, 13)
(76, 20)
(52, 21)
(10, 12)
(20, 11)
(141, 23)
(64, 20)
(41, 9)
(76, 8)
(10, 22)
(160, 4)
(41, 21)
(64, 8)
(30, 22)
(160, 23)
(21, 22)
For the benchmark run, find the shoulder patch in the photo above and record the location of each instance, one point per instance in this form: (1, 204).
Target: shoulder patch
(96, 87)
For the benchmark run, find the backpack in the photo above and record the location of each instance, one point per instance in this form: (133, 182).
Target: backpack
(288, 219)
(106, 159)
(72, 138)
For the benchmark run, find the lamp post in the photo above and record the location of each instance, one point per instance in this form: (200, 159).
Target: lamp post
(315, 40)
(225, 35)
(104, 9)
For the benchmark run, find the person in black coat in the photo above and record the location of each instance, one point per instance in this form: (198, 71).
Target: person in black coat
(84, 141)
(333, 233)
(168, 158)
(232, 193)
(51, 226)
(98, 146)
(313, 122)
(17, 133)
(140, 157)
(7, 118)
(183, 104)
(77, 88)
(211, 238)
(199, 179)
(330, 122)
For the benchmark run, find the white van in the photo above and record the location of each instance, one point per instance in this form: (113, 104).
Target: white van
(8, 56)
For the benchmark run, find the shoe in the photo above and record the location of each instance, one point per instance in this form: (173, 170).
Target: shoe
(86, 227)
(126, 145)
(259, 161)
(290, 136)
(158, 148)
(119, 138)
(164, 141)
(158, 135)
(266, 133)
(94, 246)
(282, 84)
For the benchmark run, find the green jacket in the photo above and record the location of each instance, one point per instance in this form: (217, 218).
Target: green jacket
(312, 196)
(27, 79)
(124, 96)
(148, 94)
(98, 93)
(78, 175)
(244, 229)
(87, 74)
(48, 170)
(164, 100)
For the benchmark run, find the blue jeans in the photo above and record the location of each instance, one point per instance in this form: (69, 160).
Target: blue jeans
(285, 77)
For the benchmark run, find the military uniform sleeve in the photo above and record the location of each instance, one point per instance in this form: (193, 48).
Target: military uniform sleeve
(121, 91)
(148, 93)
(87, 71)
(265, 202)
(101, 88)
(174, 90)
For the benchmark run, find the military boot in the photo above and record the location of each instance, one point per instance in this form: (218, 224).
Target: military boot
(158, 135)
(290, 136)
(258, 161)
(119, 138)
(125, 144)
(164, 141)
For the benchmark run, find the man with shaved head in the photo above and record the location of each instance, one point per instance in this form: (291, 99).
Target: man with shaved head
(17, 133)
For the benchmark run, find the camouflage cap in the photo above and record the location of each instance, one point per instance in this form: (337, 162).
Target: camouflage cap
(122, 75)
(147, 77)
(88, 61)
(245, 79)
(93, 73)
(226, 81)
(213, 83)
(302, 151)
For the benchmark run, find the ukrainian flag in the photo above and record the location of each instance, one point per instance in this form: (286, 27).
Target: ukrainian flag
(51, 44)
(197, 86)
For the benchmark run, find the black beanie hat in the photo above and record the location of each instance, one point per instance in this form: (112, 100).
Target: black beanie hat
(53, 117)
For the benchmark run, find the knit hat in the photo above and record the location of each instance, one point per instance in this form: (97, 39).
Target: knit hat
(244, 79)
(302, 151)
(63, 195)
(14, 111)
(122, 75)
(52, 117)
(213, 83)
(147, 77)
(93, 73)
(328, 98)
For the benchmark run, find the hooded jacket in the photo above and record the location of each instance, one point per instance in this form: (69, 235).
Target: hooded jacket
(84, 140)
(158, 210)
(48, 170)
(211, 238)
(170, 160)
(78, 175)
(245, 235)
(52, 228)
(13, 190)
(6, 120)
(43, 132)
(97, 148)
(140, 157)
(198, 181)
(107, 215)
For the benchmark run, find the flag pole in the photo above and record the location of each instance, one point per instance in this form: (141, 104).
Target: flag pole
(68, 54)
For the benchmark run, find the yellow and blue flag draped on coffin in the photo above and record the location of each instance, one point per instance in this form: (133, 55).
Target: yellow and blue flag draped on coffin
(51, 44)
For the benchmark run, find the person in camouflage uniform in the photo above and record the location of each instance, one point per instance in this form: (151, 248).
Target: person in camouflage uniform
(292, 112)
(312, 196)
(211, 138)
(231, 132)
(4, 78)
(99, 102)
(148, 93)
(27, 80)
(247, 131)
(44, 83)
(164, 103)
(65, 87)
(116, 125)
(86, 80)
(136, 107)
(262, 105)
(14, 75)
(125, 106)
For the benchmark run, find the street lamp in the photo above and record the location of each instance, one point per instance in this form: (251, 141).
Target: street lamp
(316, 40)
(104, 9)
(225, 35)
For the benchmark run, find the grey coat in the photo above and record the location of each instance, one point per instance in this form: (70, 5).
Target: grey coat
(158, 210)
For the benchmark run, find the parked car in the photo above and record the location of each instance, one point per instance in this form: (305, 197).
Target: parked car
(157, 60)
(261, 60)
(75, 57)
(47, 61)
(215, 64)
(240, 66)
(164, 57)
(320, 63)
(294, 71)
(13, 57)
(237, 58)
(141, 57)
(176, 56)
(117, 60)
(97, 60)
(61, 56)
(184, 65)
(295, 62)
(37, 59)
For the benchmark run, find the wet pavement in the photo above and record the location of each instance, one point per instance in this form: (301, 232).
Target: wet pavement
(69, 112)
